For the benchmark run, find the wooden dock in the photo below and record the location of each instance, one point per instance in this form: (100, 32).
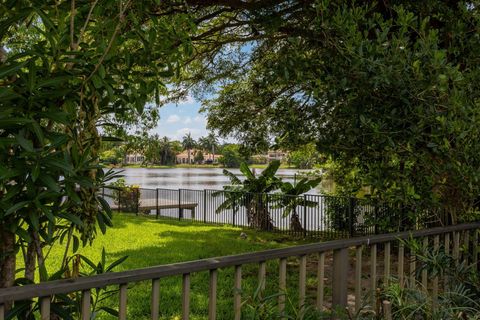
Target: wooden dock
(163, 204)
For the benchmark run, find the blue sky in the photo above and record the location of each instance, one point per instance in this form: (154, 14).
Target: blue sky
(176, 120)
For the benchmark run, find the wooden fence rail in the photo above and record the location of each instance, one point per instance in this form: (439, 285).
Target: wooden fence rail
(341, 263)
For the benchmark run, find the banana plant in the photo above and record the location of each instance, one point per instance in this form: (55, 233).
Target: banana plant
(290, 199)
(252, 193)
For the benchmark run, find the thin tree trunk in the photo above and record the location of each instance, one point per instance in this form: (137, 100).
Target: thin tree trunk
(30, 262)
(40, 257)
(295, 224)
(7, 260)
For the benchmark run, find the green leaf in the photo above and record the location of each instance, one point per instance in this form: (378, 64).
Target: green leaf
(116, 263)
(16, 206)
(34, 221)
(24, 235)
(76, 244)
(49, 182)
(11, 68)
(24, 143)
(97, 82)
(71, 218)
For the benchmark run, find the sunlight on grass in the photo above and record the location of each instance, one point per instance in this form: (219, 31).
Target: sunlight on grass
(149, 242)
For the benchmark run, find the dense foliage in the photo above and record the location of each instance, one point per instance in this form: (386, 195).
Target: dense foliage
(68, 68)
(389, 89)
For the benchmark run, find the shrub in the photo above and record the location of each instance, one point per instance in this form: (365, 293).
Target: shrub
(126, 197)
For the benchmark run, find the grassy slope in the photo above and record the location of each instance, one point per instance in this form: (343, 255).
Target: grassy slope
(149, 242)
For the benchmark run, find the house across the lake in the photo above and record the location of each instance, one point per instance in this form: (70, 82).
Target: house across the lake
(208, 158)
(134, 158)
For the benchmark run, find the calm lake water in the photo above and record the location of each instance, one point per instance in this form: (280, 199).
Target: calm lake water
(191, 178)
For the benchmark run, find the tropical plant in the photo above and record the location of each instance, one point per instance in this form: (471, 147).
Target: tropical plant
(167, 155)
(459, 298)
(252, 193)
(126, 197)
(231, 157)
(290, 199)
(69, 306)
(387, 88)
(68, 68)
(199, 157)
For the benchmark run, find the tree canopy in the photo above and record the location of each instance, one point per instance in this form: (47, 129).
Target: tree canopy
(388, 89)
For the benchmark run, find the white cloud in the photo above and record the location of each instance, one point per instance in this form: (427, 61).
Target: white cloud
(200, 119)
(196, 133)
(173, 118)
(187, 120)
(188, 100)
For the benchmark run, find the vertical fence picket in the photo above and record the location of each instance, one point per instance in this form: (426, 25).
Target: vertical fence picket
(85, 313)
(45, 308)
(339, 278)
(358, 278)
(447, 252)
(156, 203)
(320, 280)
(302, 280)
(155, 308)
(424, 270)
(373, 272)
(387, 265)
(413, 267)
(401, 264)
(456, 246)
(186, 296)
(436, 245)
(282, 285)
(2, 312)
(205, 206)
(212, 295)
(122, 309)
(466, 246)
(237, 294)
(475, 247)
(262, 270)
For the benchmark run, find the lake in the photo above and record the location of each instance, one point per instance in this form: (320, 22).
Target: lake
(193, 178)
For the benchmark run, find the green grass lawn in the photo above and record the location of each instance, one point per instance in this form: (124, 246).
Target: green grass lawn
(149, 242)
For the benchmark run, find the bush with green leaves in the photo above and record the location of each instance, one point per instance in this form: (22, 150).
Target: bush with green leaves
(68, 306)
(126, 197)
(459, 299)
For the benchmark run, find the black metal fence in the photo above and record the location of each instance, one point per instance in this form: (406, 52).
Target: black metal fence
(305, 215)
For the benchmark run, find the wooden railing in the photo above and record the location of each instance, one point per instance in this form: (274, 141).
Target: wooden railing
(453, 237)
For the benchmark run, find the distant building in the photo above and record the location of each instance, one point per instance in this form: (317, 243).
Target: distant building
(208, 158)
(276, 155)
(134, 158)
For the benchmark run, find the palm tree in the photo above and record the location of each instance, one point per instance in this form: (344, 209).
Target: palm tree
(188, 143)
(165, 150)
(212, 143)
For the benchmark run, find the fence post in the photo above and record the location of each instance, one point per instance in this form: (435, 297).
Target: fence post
(156, 203)
(304, 215)
(204, 206)
(340, 278)
(179, 204)
(351, 211)
(234, 209)
(375, 218)
(137, 200)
